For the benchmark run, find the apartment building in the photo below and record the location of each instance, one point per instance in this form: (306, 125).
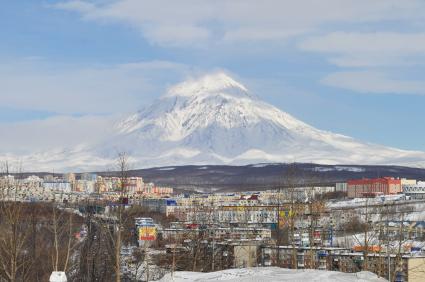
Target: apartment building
(360, 188)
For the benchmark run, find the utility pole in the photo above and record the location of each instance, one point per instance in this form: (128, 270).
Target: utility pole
(278, 241)
(366, 238)
(213, 221)
(146, 260)
(213, 245)
(174, 260)
(388, 247)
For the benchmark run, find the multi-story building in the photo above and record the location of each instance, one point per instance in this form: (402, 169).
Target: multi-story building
(57, 186)
(33, 181)
(152, 189)
(341, 187)
(165, 206)
(415, 191)
(69, 177)
(88, 176)
(48, 178)
(224, 233)
(134, 185)
(87, 186)
(360, 188)
(300, 257)
(217, 233)
(405, 181)
(402, 268)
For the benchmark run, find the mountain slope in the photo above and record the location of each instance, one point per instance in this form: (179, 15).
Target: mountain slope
(215, 120)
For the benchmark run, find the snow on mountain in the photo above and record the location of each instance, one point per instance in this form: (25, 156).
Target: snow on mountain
(216, 120)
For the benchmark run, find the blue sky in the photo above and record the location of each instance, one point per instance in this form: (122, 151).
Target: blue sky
(354, 67)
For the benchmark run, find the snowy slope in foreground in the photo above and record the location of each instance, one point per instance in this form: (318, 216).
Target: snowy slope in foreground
(272, 274)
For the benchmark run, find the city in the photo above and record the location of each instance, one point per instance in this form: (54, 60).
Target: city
(375, 225)
(212, 140)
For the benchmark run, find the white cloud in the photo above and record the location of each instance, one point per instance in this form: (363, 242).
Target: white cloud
(76, 5)
(377, 54)
(54, 132)
(178, 35)
(346, 42)
(353, 49)
(247, 34)
(36, 85)
(373, 82)
(196, 22)
(233, 26)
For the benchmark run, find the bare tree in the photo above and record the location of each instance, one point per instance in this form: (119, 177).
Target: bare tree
(14, 260)
(290, 183)
(62, 228)
(401, 239)
(123, 168)
(315, 207)
(368, 234)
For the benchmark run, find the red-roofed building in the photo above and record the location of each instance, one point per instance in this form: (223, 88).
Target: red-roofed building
(361, 188)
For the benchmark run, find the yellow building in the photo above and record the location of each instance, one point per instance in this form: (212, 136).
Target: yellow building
(416, 269)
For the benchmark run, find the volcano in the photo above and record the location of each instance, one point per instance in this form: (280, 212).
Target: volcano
(215, 120)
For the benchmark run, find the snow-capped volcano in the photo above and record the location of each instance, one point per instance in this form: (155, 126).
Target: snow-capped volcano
(216, 120)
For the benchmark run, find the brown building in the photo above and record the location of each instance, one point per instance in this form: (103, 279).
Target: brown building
(361, 188)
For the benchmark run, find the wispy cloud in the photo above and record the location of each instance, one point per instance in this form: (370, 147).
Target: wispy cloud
(76, 5)
(37, 85)
(354, 49)
(374, 82)
(54, 133)
(81, 102)
(192, 23)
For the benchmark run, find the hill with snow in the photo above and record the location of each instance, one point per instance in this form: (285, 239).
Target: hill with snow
(216, 120)
(272, 274)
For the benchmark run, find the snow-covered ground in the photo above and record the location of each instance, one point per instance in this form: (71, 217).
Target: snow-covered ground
(271, 274)
(416, 209)
(338, 168)
(358, 202)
